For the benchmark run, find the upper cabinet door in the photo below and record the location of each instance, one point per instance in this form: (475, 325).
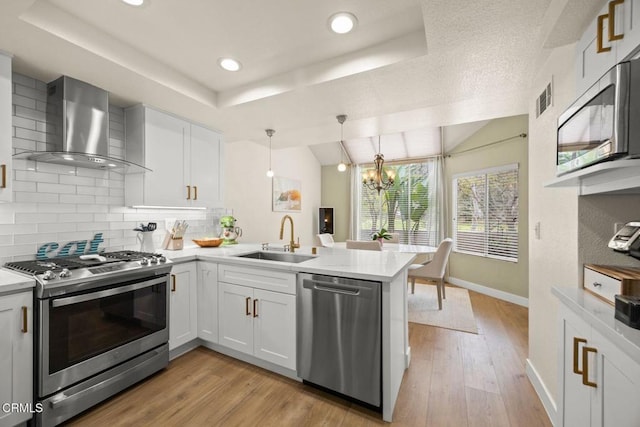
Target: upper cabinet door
(205, 173)
(627, 23)
(165, 155)
(6, 123)
(185, 160)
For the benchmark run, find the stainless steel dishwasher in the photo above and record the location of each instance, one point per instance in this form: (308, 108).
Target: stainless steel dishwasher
(339, 335)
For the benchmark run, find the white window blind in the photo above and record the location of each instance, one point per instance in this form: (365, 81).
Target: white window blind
(408, 208)
(486, 213)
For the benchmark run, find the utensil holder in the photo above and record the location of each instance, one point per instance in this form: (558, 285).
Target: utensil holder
(175, 244)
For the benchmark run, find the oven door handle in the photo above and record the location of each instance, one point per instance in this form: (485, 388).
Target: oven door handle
(61, 302)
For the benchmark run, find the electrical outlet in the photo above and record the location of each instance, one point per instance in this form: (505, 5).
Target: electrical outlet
(536, 230)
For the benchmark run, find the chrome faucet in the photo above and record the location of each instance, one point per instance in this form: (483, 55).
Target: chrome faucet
(292, 244)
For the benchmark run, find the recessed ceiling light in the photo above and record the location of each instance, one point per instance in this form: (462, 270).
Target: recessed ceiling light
(342, 22)
(229, 64)
(134, 2)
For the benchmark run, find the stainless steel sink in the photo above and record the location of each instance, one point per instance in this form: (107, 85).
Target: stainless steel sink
(276, 256)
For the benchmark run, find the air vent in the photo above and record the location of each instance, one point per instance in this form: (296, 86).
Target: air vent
(543, 101)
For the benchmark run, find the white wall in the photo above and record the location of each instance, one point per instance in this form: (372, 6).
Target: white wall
(248, 191)
(553, 258)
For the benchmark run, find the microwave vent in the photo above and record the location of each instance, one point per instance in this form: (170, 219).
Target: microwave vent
(544, 100)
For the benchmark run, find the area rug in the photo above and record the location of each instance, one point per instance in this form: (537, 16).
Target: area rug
(456, 310)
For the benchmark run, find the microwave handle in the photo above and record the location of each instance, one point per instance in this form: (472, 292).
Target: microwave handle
(61, 302)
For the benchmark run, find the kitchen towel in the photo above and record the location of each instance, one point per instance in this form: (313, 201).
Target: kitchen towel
(456, 312)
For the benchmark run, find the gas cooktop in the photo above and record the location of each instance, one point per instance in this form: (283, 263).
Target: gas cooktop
(77, 270)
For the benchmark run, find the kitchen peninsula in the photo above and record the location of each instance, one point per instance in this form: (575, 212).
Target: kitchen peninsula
(222, 269)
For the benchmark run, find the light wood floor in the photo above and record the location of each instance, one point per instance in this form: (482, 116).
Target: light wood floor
(455, 379)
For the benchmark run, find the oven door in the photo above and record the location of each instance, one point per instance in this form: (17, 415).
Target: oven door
(86, 333)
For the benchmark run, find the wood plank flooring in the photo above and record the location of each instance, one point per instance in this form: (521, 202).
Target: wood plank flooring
(455, 379)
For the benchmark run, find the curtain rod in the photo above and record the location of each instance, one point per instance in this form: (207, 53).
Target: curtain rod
(521, 135)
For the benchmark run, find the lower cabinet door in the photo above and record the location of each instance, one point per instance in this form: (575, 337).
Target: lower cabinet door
(274, 327)
(16, 355)
(235, 317)
(576, 396)
(183, 315)
(208, 301)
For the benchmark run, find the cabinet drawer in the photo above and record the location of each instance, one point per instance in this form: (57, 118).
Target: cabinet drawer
(258, 278)
(602, 285)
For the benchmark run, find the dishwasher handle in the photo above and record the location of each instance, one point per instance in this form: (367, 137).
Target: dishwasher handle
(349, 289)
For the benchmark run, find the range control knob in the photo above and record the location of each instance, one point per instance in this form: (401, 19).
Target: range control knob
(153, 260)
(144, 261)
(48, 275)
(162, 258)
(65, 272)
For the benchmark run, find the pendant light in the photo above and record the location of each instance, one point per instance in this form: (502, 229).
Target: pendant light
(270, 133)
(341, 119)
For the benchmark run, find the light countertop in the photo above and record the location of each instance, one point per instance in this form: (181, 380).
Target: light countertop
(600, 316)
(357, 264)
(12, 282)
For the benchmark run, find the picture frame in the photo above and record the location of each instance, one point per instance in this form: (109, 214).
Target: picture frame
(286, 194)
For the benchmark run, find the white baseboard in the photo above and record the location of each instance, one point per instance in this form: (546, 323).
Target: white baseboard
(546, 399)
(495, 293)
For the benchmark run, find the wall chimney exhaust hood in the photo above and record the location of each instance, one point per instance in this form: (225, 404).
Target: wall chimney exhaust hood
(78, 128)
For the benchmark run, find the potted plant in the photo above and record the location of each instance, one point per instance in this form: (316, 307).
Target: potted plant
(381, 235)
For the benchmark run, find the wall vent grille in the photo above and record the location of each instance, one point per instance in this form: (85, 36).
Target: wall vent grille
(544, 100)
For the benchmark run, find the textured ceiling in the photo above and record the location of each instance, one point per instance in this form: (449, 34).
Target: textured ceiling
(409, 68)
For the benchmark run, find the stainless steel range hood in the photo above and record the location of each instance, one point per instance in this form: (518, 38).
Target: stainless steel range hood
(78, 126)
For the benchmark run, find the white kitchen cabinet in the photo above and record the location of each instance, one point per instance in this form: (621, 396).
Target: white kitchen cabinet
(185, 161)
(207, 301)
(255, 320)
(591, 64)
(6, 130)
(16, 354)
(599, 382)
(183, 315)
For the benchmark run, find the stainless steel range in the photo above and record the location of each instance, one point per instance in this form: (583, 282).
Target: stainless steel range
(102, 324)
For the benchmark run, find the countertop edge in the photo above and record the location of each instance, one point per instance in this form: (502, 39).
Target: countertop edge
(600, 316)
(11, 282)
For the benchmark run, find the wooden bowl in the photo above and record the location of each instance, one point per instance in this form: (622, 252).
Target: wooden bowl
(210, 242)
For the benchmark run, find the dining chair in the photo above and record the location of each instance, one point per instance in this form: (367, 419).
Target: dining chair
(395, 238)
(326, 240)
(433, 270)
(370, 245)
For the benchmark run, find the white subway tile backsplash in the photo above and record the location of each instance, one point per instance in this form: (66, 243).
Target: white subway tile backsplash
(39, 177)
(6, 218)
(75, 217)
(35, 218)
(23, 101)
(11, 250)
(53, 168)
(56, 208)
(30, 92)
(20, 144)
(92, 208)
(93, 226)
(24, 186)
(98, 191)
(31, 134)
(56, 227)
(56, 188)
(39, 238)
(35, 197)
(21, 122)
(16, 229)
(29, 113)
(77, 198)
(19, 79)
(77, 180)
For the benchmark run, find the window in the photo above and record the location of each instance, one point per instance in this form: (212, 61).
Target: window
(486, 213)
(408, 208)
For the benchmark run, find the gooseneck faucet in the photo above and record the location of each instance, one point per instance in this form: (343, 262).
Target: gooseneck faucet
(292, 243)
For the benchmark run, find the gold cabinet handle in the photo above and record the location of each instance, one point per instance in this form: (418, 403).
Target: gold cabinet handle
(246, 306)
(255, 308)
(173, 283)
(25, 323)
(585, 366)
(195, 192)
(3, 172)
(188, 192)
(612, 20)
(601, 48)
(576, 351)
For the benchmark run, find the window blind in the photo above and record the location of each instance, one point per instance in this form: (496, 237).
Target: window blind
(486, 213)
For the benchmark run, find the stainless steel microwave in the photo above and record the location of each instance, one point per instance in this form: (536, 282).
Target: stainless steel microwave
(604, 123)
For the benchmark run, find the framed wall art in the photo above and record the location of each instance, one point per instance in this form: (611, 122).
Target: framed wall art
(287, 195)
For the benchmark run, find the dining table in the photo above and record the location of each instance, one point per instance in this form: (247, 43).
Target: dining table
(398, 247)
